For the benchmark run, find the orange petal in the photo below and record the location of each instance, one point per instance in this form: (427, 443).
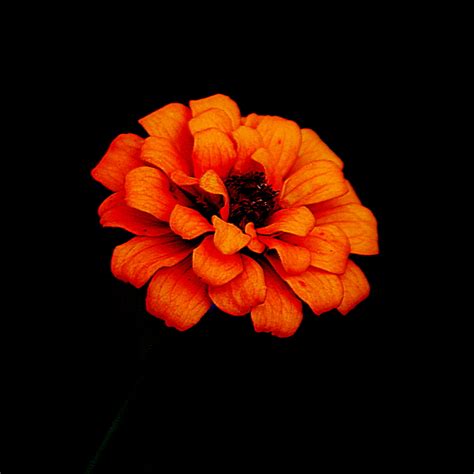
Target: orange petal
(254, 245)
(188, 223)
(212, 118)
(282, 138)
(328, 245)
(182, 179)
(263, 158)
(138, 259)
(357, 222)
(212, 266)
(217, 101)
(356, 287)
(248, 141)
(122, 156)
(244, 292)
(162, 153)
(114, 212)
(321, 290)
(281, 313)
(313, 149)
(298, 221)
(295, 259)
(214, 150)
(171, 122)
(252, 120)
(178, 296)
(213, 184)
(350, 197)
(228, 238)
(148, 190)
(312, 183)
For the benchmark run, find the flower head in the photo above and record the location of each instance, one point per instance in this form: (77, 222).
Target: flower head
(252, 214)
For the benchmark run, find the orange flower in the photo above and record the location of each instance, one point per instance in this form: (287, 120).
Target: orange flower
(250, 213)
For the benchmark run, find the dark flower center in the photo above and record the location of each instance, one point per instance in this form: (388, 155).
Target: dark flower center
(251, 199)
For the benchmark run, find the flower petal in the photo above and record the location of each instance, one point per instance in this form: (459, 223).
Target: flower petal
(248, 141)
(282, 138)
(252, 120)
(254, 245)
(213, 149)
(114, 212)
(321, 290)
(244, 292)
(178, 296)
(295, 259)
(313, 149)
(357, 222)
(298, 221)
(138, 259)
(212, 266)
(356, 287)
(213, 184)
(228, 238)
(148, 190)
(182, 179)
(329, 247)
(188, 223)
(212, 118)
(217, 101)
(162, 153)
(312, 183)
(122, 156)
(171, 122)
(281, 313)
(350, 197)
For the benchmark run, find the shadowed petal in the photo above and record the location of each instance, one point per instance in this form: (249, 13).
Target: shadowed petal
(254, 245)
(213, 184)
(356, 287)
(188, 223)
(295, 259)
(248, 141)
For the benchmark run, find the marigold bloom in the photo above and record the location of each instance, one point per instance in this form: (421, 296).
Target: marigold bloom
(252, 214)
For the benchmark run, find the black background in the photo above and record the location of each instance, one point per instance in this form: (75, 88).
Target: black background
(253, 393)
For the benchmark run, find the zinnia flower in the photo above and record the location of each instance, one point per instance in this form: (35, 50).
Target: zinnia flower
(252, 214)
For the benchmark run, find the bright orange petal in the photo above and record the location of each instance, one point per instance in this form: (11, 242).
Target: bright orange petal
(328, 245)
(138, 259)
(295, 259)
(254, 245)
(263, 158)
(298, 221)
(321, 290)
(217, 101)
(313, 149)
(282, 138)
(314, 182)
(213, 184)
(148, 189)
(356, 287)
(281, 313)
(171, 122)
(244, 292)
(357, 222)
(350, 197)
(252, 120)
(114, 212)
(188, 223)
(182, 179)
(212, 266)
(228, 238)
(178, 296)
(122, 156)
(162, 153)
(214, 150)
(212, 118)
(248, 141)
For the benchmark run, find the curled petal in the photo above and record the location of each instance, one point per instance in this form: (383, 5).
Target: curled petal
(114, 212)
(248, 141)
(228, 238)
(178, 296)
(188, 223)
(252, 120)
(138, 259)
(244, 292)
(254, 244)
(313, 183)
(212, 118)
(218, 101)
(350, 197)
(182, 179)
(213, 184)
(212, 266)
(281, 313)
(122, 156)
(295, 259)
(356, 287)
(321, 290)
(298, 221)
